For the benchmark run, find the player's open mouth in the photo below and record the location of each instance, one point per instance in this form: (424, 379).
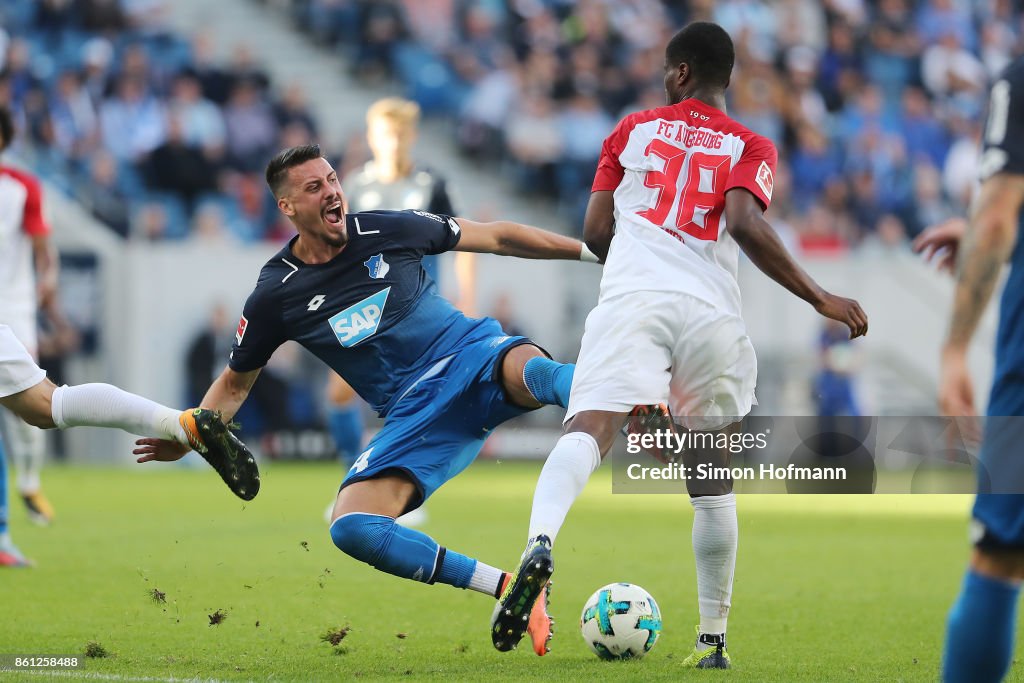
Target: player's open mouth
(332, 214)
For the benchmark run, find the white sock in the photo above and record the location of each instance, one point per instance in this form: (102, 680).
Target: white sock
(572, 461)
(104, 405)
(714, 548)
(486, 579)
(27, 445)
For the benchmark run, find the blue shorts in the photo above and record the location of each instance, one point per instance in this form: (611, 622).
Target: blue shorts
(439, 425)
(999, 508)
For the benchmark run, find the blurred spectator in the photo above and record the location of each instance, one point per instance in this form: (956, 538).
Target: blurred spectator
(814, 162)
(854, 93)
(201, 120)
(205, 356)
(208, 226)
(929, 206)
(947, 68)
(132, 121)
(293, 110)
(73, 116)
(175, 166)
(534, 142)
(150, 222)
(251, 127)
(959, 174)
(926, 139)
(102, 195)
(583, 125)
(834, 393)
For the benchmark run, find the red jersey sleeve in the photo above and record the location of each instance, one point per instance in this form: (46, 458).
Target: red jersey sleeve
(756, 170)
(609, 168)
(33, 222)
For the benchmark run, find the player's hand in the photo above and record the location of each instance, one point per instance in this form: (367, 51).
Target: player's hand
(846, 311)
(939, 243)
(46, 293)
(956, 394)
(956, 390)
(160, 450)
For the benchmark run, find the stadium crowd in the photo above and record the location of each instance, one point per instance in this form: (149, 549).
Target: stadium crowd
(140, 123)
(875, 106)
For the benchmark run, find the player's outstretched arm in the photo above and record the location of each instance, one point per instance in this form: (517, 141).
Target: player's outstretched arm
(744, 217)
(227, 394)
(506, 238)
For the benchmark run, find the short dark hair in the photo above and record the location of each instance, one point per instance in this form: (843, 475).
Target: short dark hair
(707, 48)
(6, 128)
(277, 169)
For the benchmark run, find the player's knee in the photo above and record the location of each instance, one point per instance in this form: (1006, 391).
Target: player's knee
(1002, 564)
(362, 536)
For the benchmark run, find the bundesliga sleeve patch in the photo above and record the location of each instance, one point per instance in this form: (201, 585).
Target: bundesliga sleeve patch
(240, 332)
(764, 179)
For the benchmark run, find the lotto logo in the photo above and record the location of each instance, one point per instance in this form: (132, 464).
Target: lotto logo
(360, 321)
(240, 332)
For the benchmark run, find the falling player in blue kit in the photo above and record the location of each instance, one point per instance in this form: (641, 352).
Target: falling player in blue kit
(353, 291)
(980, 634)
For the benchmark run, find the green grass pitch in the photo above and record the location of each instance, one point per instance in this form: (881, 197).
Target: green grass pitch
(827, 588)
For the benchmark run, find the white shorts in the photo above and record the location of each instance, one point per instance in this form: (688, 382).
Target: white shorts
(665, 347)
(22, 321)
(18, 371)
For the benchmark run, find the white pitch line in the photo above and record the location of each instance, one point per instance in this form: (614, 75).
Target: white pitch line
(84, 675)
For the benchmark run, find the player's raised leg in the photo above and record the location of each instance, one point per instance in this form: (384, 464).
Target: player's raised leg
(25, 391)
(364, 528)
(589, 435)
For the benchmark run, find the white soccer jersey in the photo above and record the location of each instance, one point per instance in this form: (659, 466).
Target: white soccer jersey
(670, 168)
(21, 218)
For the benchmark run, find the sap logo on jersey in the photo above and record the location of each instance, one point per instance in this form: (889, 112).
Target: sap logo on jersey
(360, 321)
(377, 266)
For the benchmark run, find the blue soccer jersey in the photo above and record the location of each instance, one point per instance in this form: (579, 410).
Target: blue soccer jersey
(1004, 153)
(1001, 514)
(372, 313)
(374, 316)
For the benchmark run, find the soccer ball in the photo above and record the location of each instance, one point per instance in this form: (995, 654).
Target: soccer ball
(621, 621)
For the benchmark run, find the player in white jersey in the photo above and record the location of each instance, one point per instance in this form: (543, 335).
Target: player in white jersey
(35, 401)
(678, 191)
(28, 278)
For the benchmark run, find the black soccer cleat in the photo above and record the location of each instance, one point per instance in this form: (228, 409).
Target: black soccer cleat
(211, 438)
(511, 615)
(712, 656)
(652, 419)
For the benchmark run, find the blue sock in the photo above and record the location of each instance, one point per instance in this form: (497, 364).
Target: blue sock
(548, 381)
(980, 631)
(345, 423)
(395, 549)
(3, 489)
